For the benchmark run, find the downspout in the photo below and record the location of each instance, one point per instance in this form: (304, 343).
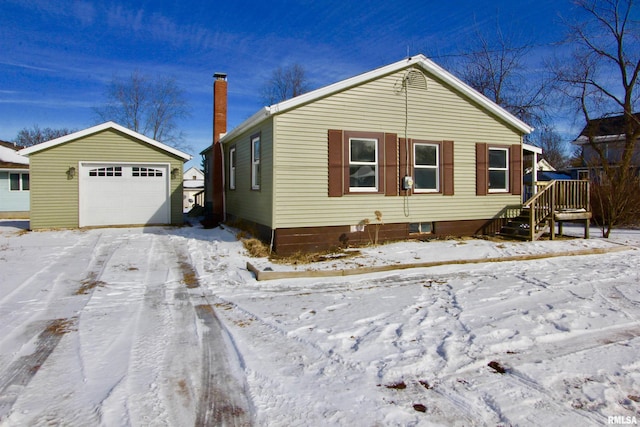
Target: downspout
(224, 184)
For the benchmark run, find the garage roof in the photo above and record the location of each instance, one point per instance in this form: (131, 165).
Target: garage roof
(99, 128)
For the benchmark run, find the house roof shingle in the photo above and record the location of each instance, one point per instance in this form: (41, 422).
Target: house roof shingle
(606, 126)
(604, 129)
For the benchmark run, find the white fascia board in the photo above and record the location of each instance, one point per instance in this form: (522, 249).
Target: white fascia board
(532, 148)
(289, 104)
(344, 84)
(99, 128)
(419, 60)
(258, 117)
(474, 95)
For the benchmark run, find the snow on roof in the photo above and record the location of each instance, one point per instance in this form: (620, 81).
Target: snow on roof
(603, 129)
(420, 61)
(190, 183)
(99, 128)
(10, 155)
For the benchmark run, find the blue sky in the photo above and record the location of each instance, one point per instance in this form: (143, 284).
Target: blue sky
(57, 57)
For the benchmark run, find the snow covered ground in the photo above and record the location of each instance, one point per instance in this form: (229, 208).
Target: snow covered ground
(166, 326)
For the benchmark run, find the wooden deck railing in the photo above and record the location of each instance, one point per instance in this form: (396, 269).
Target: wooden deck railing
(557, 196)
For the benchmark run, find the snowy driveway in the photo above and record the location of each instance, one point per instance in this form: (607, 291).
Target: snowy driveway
(165, 326)
(111, 327)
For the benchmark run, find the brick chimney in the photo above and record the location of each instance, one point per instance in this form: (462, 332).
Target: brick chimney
(219, 105)
(219, 128)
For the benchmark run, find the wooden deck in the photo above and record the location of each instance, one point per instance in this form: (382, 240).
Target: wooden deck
(556, 202)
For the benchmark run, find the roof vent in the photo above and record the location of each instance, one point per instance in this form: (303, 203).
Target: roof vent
(414, 79)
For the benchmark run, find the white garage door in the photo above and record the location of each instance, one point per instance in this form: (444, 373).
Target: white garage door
(122, 194)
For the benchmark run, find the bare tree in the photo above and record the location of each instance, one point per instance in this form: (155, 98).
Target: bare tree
(151, 106)
(495, 67)
(554, 148)
(285, 83)
(34, 135)
(601, 80)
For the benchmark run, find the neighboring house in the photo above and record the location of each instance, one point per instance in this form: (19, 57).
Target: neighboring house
(14, 182)
(544, 174)
(409, 140)
(192, 183)
(541, 166)
(608, 134)
(105, 175)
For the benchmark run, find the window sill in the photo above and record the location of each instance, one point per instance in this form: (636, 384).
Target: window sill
(427, 191)
(363, 191)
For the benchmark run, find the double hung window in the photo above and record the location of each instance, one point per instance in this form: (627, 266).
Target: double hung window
(426, 167)
(498, 169)
(363, 165)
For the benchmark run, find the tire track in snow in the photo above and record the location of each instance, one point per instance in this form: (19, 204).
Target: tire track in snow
(222, 400)
(39, 294)
(303, 359)
(21, 370)
(146, 390)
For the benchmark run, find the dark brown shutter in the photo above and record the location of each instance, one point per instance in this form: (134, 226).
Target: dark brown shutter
(391, 164)
(335, 163)
(515, 167)
(481, 169)
(447, 168)
(403, 163)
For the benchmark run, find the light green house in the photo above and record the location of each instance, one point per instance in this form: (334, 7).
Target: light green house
(14, 183)
(102, 176)
(404, 151)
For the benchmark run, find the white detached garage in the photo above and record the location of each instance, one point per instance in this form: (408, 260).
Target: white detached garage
(105, 175)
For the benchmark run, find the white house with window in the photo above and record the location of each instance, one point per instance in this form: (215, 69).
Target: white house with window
(14, 182)
(192, 184)
(409, 140)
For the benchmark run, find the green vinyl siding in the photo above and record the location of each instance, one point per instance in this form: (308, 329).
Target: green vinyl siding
(54, 197)
(243, 202)
(435, 114)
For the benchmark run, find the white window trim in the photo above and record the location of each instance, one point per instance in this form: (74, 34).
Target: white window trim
(232, 168)
(436, 167)
(20, 181)
(505, 169)
(374, 164)
(255, 163)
